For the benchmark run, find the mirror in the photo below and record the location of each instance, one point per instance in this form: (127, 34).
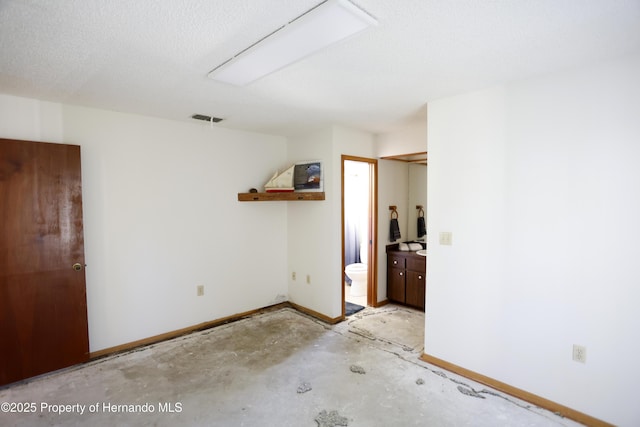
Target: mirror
(417, 197)
(416, 191)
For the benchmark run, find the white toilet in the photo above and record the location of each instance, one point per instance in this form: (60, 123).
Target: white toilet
(358, 275)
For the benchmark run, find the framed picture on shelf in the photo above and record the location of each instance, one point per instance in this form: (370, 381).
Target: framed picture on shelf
(308, 176)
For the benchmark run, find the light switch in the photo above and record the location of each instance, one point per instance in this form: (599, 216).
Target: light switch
(446, 238)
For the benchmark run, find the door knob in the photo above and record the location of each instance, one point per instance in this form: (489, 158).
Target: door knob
(77, 266)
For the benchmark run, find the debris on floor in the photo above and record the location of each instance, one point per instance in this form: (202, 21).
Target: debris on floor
(419, 381)
(363, 333)
(389, 326)
(469, 392)
(242, 360)
(331, 419)
(357, 369)
(304, 387)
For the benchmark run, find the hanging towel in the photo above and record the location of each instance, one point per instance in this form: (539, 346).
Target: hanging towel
(394, 230)
(422, 227)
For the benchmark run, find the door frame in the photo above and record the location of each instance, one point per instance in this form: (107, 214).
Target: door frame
(372, 263)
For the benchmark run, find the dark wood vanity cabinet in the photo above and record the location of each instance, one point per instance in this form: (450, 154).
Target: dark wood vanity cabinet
(406, 281)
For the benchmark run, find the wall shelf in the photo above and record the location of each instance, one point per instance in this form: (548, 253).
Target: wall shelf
(267, 197)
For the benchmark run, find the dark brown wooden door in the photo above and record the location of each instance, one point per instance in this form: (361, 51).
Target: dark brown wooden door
(43, 306)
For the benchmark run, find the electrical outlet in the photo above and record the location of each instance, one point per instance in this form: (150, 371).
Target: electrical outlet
(308, 278)
(200, 290)
(579, 353)
(293, 275)
(446, 238)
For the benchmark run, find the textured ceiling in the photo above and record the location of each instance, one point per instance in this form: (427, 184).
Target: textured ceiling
(152, 56)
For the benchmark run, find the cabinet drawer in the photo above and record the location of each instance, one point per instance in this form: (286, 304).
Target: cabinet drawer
(396, 261)
(417, 264)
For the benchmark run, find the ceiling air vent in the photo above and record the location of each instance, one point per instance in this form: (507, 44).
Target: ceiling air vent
(206, 118)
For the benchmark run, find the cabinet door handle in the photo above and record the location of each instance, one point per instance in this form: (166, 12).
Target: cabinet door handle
(401, 273)
(419, 277)
(395, 262)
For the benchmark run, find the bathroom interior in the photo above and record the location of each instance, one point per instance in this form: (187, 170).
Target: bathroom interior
(411, 207)
(357, 180)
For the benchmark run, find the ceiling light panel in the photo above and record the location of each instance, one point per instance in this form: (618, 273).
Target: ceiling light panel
(326, 24)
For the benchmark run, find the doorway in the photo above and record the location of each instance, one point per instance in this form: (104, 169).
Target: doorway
(359, 225)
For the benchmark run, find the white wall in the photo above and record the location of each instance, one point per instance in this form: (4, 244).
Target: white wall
(311, 231)
(539, 183)
(161, 216)
(411, 138)
(23, 118)
(315, 228)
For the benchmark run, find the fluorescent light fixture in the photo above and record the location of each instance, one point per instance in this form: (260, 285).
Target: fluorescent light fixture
(325, 24)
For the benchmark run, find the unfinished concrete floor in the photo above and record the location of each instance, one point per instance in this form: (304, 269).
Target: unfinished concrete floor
(277, 368)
